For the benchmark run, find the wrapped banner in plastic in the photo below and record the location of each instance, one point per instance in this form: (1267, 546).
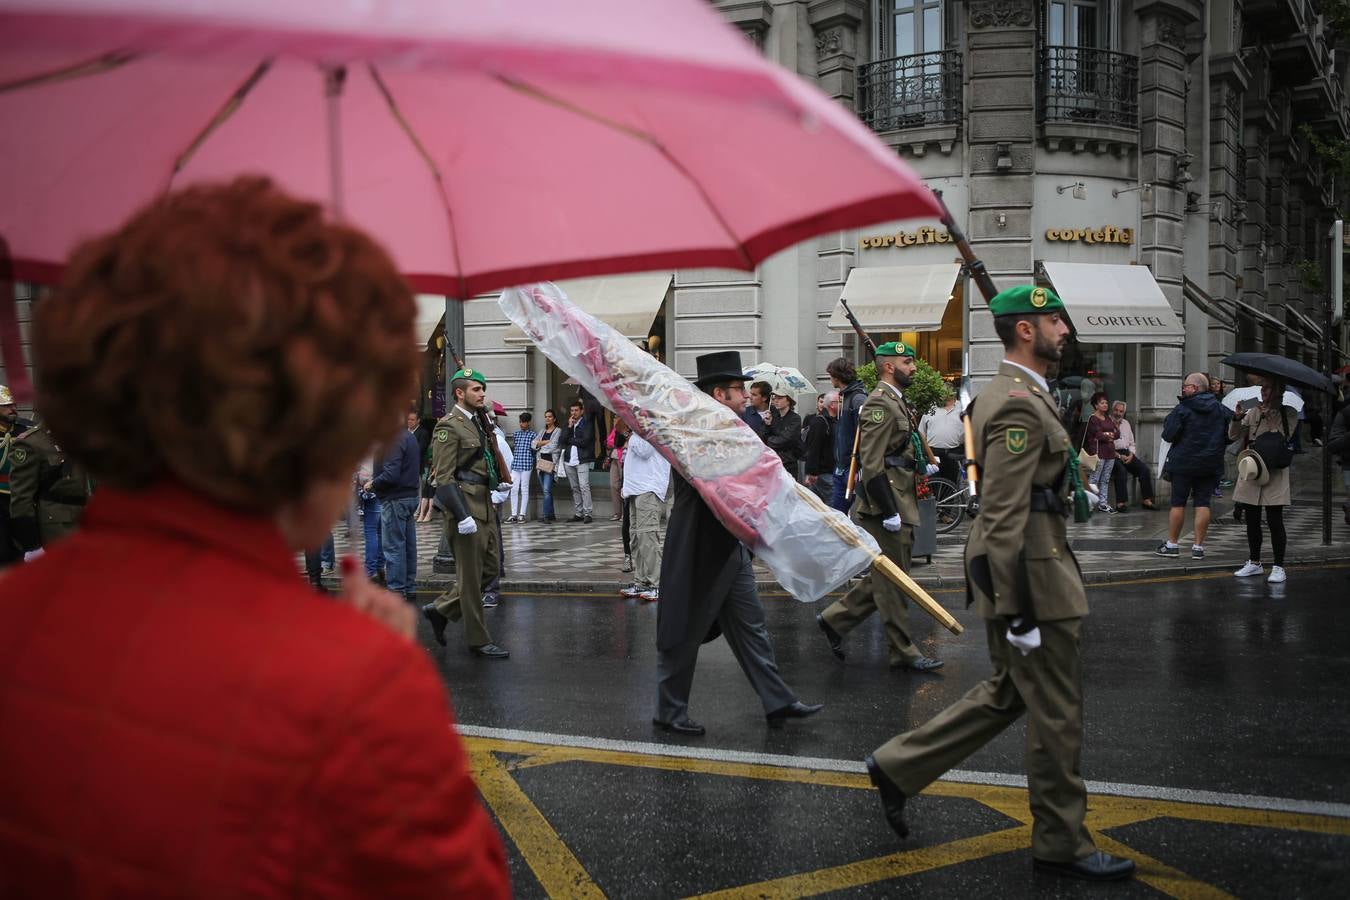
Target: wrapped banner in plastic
(810, 547)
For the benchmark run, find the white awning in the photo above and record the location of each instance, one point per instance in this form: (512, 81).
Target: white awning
(430, 311)
(626, 303)
(897, 298)
(1114, 304)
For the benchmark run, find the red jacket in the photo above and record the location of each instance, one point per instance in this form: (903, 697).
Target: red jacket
(180, 715)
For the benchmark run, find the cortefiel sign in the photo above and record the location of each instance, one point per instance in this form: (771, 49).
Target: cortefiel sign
(1107, 234)
(925, 235)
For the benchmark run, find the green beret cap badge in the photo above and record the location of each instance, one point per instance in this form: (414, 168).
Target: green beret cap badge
(471, 374)
(897, 348)
(1025, 298)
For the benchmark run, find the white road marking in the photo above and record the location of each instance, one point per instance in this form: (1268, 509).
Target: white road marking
(1106, 788)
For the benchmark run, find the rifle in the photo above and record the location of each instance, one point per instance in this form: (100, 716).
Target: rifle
(975, 266)
(489, 433)
(857, 428)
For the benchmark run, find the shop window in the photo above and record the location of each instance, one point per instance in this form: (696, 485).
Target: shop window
(1083, 370)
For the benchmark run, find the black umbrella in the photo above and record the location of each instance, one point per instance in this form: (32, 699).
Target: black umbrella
(1286, 370)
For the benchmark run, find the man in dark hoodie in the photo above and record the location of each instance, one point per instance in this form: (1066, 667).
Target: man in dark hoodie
(396, 484)
(1197, 430)
(852, 393)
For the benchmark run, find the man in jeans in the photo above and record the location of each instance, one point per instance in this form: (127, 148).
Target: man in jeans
(396, 485)
(578, 449)
(1197, 429)
(845, 379)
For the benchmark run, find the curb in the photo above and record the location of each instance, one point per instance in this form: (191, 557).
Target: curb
(1184, 567)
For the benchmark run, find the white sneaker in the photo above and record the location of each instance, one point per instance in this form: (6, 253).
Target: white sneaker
(1276, 575)
(633, 590)
(651, 594)
(1253, 568)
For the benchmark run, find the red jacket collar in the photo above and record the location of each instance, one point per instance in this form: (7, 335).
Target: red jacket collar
(173, 510)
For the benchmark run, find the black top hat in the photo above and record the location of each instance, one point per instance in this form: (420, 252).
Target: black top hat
(721, 366)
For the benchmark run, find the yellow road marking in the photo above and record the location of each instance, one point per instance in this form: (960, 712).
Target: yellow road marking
(1155, 874)
(883, 868)
(558, 871)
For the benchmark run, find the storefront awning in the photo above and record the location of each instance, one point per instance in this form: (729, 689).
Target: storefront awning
(430, 311)
(1114, 304)
(1260, 315)
(1307, 324)
(1206, 304)
(626, 303)
(897, 298)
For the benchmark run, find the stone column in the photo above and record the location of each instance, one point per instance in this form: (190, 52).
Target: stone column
(835, 25)
(1227, 184)
(1001, 109)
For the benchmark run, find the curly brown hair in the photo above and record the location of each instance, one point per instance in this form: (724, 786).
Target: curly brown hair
(230, 337)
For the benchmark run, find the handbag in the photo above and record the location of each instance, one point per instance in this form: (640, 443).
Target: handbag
(1273, 447)
(544, 465)
(1089, 461)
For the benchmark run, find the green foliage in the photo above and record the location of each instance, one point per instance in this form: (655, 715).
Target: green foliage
(926, 392)
(1334, 151)
(1337, 13)
(1309, 275)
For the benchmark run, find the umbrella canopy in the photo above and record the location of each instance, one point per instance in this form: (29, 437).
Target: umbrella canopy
(485, 144)
(1286, 370)
(783, 380)
(1253, 393)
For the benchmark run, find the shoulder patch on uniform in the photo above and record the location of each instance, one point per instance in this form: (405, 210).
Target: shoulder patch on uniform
(877, 414)
(442, 435)
(19, 455)
(1017, 440)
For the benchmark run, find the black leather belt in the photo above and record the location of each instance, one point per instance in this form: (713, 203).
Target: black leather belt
(899, 462)
(470, 477)
(68, 501)
(1044, 499)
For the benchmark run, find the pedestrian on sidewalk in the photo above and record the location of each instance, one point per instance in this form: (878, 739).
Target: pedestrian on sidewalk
(818, 455)
(1263, 475)
(578, 447)
(1099, 439)
(852, 395)
(614, 453)
(1020, 571)
(945, 433)
(369, 505)
(548, 444)
(422, 432)
(238, 735)
(396, 484)
(1338, 442)
(646, 480)
(522, 464)
(758, 413)
(1196, 429)
(1128, 463)
(708, 586)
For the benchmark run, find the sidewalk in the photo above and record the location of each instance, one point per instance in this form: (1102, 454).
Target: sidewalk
(573, 557)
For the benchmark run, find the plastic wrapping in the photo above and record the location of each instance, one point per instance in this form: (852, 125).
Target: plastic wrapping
(810, 547)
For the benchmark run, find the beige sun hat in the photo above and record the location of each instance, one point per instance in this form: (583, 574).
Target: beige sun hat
(1251, 467)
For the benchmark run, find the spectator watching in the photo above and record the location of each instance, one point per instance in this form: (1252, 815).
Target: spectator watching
(548, 444)
(946, 437)
(852, 395)
(784, 435)
(1128, 463)
(1195, 428)
(818, 447)
(578, 447)
(522, 464)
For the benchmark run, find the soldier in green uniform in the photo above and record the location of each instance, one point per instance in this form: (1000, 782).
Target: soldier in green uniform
(1027, 586)
(11, 426)
(48, 491)
(465, 471)
(886, 508)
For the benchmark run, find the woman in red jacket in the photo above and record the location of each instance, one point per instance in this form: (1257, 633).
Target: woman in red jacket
(182, 715)
(1100, 439)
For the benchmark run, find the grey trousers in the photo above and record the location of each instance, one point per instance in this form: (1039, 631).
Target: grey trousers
(741, 618)
(647, 538)
(579, 479)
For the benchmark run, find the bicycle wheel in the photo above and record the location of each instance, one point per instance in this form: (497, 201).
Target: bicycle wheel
(951, 503)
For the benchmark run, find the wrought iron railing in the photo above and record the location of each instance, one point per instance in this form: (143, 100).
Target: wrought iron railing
(911, 91)
(1083, 84)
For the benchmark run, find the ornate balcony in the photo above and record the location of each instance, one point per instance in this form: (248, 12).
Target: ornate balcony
(1086, 86)
(916, 91)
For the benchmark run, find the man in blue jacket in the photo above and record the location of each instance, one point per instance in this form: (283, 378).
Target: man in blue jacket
(396, 485)
(852, 393)
(1197, 429)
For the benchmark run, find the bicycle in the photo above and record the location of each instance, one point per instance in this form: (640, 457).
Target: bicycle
(953, 503)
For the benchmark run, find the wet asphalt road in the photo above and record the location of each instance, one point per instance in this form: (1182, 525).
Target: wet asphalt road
(1202, 684)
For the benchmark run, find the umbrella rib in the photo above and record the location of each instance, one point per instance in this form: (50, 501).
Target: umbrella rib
(226, 110)
(97, 66)
(422, 151)
(649, 139)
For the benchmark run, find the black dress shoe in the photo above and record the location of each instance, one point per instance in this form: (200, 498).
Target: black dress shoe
(683, 726)
(1098, 866)
(836, 642)
(489, 651)
(576, 518)
(892, 798)
(586, 519)
(922, 664)
(794, 710)
(438, 622)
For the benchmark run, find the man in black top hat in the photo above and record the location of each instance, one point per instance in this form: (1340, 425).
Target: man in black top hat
(708, 588)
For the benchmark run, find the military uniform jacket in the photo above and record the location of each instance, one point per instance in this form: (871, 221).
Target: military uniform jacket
(1018, 561)
(457, 445)
(7, 440)
(887, 431)
(47, 490)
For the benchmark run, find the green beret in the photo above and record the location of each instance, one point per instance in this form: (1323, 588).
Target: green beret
(897, 348)
(471, 374)
(1024, 299)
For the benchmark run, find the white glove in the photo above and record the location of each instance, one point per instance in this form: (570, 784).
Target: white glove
(467, 525)
(500, 495)
(932, 469)
(1025, 642)
(1092, 494)
(31, 555)
(891, 524)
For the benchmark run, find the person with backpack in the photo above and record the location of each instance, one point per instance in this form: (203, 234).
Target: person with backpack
(1263, 474)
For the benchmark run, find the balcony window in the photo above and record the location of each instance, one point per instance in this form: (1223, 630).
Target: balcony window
(1083, 78)
(915, 82)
